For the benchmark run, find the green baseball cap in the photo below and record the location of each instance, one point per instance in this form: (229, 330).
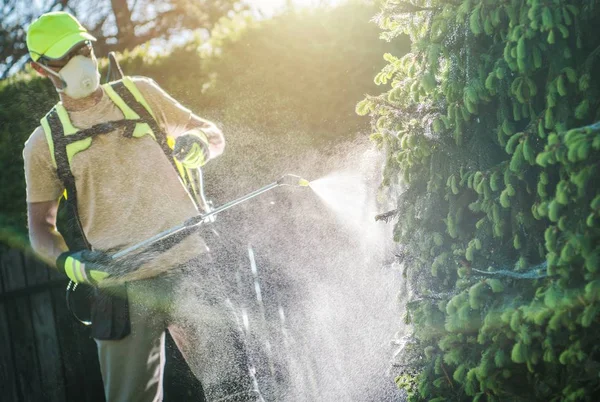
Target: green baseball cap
(54, 34)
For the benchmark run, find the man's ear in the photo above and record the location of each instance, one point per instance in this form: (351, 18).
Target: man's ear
(37, 68)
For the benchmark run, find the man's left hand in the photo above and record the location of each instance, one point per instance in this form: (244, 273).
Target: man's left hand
(192, 149)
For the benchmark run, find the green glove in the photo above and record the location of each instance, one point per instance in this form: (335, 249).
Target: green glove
(191, 149)
(84, 266)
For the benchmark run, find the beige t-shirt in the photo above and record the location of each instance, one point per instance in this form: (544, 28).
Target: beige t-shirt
(127, 189)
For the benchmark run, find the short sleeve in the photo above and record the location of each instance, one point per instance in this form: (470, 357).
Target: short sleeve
(169, 113)
(42, 182)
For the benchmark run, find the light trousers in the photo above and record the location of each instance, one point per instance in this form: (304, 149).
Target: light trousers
(193, 305)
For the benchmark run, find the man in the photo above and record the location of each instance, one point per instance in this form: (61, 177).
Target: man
(109, 146)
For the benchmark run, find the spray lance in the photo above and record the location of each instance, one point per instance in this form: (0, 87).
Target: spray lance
(195, 222)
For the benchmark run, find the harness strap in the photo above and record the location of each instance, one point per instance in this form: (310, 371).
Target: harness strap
(145, 116)
(161, 137)
(63, 169)
(102, 128)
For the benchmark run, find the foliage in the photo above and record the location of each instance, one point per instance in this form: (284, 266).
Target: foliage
(489, 129)
(279, 78)
(117, 24)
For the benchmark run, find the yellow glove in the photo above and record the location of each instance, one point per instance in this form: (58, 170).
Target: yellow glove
(191, 149)
(84, 266)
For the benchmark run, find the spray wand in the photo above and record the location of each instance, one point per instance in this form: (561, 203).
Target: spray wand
(194, 222)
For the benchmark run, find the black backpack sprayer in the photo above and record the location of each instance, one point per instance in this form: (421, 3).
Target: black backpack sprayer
(191, 225)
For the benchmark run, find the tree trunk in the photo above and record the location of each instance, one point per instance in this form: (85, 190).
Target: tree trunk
(125, 33)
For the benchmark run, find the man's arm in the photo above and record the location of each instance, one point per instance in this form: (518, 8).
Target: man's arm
(216, 141)
(175, 119)
(45, 239)
(85, 266)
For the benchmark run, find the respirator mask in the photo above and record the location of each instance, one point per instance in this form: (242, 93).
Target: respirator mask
(79, 77)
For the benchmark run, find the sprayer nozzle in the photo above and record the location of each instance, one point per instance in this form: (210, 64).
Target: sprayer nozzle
(293, 180)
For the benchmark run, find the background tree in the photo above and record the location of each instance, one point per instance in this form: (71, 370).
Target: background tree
(117, 24)
(490, 126)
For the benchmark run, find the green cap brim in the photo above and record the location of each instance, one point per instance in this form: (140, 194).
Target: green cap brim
(63, 46)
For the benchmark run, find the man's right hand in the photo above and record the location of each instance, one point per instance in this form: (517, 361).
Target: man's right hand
(84, 266)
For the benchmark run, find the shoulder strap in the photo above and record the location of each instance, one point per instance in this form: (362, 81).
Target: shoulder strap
(138, 104)
(145, 115)
(58, 140)
(63, 170)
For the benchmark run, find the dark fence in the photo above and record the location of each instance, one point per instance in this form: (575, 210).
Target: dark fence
(45, 355)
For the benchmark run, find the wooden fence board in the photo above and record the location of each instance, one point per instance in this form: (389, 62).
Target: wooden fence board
(82, 373)
(36, 272)
(18, 312)
(51, 373)
(8, 386)
(47, 346)
(72, 364)
(54, 274)
(11, 265)
(1, 273)
(23, 340)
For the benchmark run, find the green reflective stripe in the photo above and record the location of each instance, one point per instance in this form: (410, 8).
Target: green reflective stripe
(79, 270)
(142, 129)
(195, 157)
(198, 155)
(63, 115)
(137, 94)
(78, 146)
(69, 129)
(182, 172)
(75, 264)
(97, 276)
(69, 269)
(192, 182)
(49, 140)
(71, 265)
(127, 111)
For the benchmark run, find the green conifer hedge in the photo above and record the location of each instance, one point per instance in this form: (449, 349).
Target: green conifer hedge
(490, 126)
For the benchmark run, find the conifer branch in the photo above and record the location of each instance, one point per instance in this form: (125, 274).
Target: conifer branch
(408, 8)
(534, 273)
(386, 216)
(591, 57)
(447, 376)
(589, 128)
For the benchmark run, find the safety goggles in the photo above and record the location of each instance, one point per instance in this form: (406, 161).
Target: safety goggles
(82, 49)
